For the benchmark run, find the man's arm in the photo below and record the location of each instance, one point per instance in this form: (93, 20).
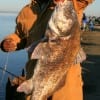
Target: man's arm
(80, 5)
(24, 21)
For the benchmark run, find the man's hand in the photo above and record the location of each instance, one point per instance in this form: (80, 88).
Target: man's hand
(57, 1)
(8, 45)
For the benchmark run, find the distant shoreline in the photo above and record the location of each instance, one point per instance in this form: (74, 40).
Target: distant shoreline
(8, 11)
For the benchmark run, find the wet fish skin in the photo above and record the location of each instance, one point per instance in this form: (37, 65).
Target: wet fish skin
(55, 57)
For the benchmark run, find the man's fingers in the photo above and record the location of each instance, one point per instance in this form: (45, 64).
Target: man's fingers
(10, 49)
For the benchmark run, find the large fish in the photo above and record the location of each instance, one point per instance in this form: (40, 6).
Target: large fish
(56, 55)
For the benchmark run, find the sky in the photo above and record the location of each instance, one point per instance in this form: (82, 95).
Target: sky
(12, 5)
(17, 5)
(93, 9)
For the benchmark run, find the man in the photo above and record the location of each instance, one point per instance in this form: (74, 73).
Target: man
(30, 27)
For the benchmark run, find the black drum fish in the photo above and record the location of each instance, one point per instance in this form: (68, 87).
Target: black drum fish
(56, 55)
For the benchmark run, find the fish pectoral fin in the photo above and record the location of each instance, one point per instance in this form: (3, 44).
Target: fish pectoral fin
(38, 52)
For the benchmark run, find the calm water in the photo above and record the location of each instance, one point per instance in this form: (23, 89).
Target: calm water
(16, 60)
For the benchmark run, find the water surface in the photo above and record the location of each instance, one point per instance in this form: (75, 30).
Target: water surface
(14, 61)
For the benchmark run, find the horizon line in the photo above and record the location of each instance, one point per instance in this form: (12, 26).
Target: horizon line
(9, 11)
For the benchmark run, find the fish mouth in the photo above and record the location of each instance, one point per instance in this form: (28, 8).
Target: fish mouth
(58, 1)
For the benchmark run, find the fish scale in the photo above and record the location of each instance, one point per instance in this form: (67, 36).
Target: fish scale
(52, 67)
